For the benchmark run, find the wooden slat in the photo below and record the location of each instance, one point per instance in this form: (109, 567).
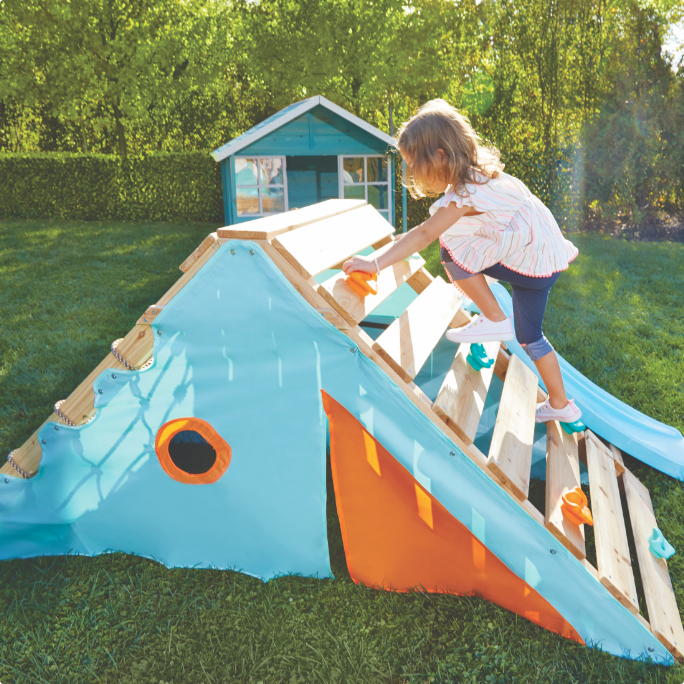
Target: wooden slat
(315, 248)
(501, 368)
(408, 341)
(617, 457)
(267, 228)
(510, 453)
(461, 398)
(354, 308)
(208, 242)
(562, 475)
(663, 613)
(612, 551)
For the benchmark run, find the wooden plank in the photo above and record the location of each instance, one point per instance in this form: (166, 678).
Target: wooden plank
(501, 368)
(412, 392)
(409, 340)
(354, 308)
(270, 226)
(333, 318)
(150, 314)
(665, 621)
(28, 456)
(461, 398)
(208, 243)
(617, 457)
(562, 475)
(510, 453)
(189, 274)
(420, 280)
(317, 247)
(612, 551)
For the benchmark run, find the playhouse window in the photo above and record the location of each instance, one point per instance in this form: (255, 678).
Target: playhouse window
(261, 185)
(366, 178)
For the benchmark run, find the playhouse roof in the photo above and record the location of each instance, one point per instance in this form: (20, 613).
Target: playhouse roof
(285, 116)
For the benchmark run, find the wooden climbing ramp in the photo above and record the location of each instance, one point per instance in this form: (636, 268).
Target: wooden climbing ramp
(307, 242)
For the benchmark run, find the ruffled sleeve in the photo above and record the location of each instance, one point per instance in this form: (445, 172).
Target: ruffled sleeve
(449, 197)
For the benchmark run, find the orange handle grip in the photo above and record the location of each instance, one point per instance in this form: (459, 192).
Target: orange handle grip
(363, 283)
(574, 507)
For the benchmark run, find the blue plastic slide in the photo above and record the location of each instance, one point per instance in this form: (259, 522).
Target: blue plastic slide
(654, 443)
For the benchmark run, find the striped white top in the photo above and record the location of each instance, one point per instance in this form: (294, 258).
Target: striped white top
(515, 228)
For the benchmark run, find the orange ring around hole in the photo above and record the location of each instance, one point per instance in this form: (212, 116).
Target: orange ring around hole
(170, 429)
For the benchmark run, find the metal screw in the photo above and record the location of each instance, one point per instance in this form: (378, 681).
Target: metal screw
(154, 311)
(232, 251)
(100, 391)
(113, 376)
(56, 428)
(44, 441)
(144, 320)
(452, 453)
(553, 551)
(352, 350)
(251, 251)
(159, 333)
(7, 480)
(651, 649)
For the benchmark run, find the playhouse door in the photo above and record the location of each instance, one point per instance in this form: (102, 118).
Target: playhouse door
(311, 180)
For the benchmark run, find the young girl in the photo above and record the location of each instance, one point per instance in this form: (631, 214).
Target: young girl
(488, 223)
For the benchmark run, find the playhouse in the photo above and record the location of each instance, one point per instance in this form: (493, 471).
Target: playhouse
(309, 152)
(201, 441)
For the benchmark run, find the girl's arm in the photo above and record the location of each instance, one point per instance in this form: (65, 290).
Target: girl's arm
(414, 241)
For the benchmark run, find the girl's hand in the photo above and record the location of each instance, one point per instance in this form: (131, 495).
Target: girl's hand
(359, 263)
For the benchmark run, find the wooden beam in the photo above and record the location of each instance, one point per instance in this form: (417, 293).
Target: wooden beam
(315, 248)
(510, 453)
(612, 551)
(270, 226)
(208, 243)
(617, 457)
(409, 340)
(665, 621)
(562, 475)
(461, 398)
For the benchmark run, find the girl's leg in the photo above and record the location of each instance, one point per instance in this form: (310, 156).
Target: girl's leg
(529, 306)
(479, 291)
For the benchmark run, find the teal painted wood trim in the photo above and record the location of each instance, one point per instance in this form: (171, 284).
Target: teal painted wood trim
(233, 192)
(403, 197)
(390, 170)
(331, 134)
(225, 189)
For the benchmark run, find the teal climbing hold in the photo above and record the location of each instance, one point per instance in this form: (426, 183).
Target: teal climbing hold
(660, 547)
(577, 426)
(478, 357)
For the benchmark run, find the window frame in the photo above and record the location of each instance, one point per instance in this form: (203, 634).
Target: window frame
(259, 186)
(386, 213)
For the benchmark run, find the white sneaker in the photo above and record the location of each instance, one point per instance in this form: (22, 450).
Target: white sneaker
(481, 329)
(568, 414)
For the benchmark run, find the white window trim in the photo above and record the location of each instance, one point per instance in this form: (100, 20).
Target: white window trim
(366, 183)
(259, 186)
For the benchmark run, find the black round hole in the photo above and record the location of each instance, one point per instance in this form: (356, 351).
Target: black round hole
(192, 453)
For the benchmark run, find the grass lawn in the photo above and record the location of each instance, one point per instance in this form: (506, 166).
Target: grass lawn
(67, 289)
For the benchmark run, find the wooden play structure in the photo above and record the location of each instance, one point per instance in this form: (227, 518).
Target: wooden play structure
(306, 242)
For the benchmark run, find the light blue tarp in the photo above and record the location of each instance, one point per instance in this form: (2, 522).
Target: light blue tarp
(240, 348)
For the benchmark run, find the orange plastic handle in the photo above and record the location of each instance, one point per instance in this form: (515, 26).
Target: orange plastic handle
(363, 283)
(574, 507)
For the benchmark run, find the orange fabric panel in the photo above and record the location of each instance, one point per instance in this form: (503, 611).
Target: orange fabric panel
(398, 536)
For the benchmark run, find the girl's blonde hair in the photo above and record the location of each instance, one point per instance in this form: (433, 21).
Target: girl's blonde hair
(437, 125)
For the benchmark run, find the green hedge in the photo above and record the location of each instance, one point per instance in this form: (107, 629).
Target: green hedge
(160, 186)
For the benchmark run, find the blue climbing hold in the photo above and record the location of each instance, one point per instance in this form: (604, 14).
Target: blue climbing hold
(478, 357)
(660, 547)
(577, 426)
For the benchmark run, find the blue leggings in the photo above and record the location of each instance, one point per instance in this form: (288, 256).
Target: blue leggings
(529, 302)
